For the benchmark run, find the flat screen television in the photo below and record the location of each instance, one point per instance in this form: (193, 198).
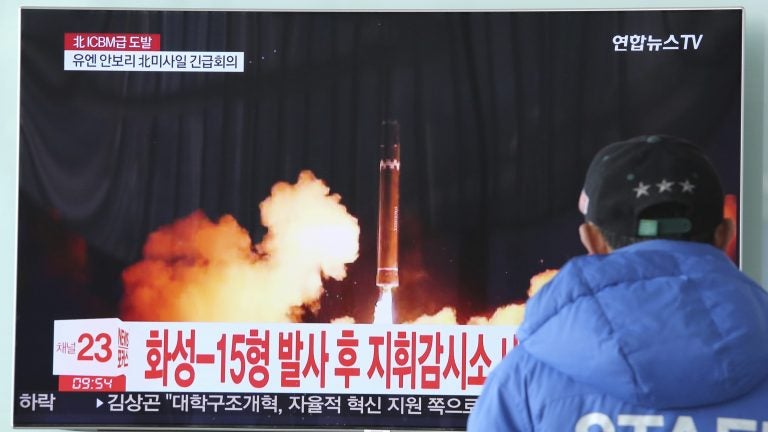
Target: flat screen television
(321, 219)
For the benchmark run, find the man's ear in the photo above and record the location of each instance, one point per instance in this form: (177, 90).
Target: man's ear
(593, 239)
(724, 233)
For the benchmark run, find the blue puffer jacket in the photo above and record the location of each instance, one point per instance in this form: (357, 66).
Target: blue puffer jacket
(657, 336)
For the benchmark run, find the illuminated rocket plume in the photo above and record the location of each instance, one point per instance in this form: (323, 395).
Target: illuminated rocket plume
(389, 201)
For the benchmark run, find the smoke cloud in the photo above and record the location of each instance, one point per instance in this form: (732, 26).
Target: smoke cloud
(199, 270)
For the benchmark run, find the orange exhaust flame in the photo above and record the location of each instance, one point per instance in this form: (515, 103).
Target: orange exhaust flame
(539, 280)
(511, 314)
(506, 315)
(446, 315)
(198, 270)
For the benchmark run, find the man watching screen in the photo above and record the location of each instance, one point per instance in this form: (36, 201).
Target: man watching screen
(656, 329)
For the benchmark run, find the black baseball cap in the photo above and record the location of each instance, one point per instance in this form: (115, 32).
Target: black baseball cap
(628, 177)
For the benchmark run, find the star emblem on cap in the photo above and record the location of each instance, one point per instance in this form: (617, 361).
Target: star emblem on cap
(687, 186)
(641, 189)
(665, 186)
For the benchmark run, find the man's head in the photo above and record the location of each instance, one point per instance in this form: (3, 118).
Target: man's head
(651, 187)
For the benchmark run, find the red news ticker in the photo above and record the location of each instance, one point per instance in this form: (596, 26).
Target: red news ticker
(84, 383)
(112, 41)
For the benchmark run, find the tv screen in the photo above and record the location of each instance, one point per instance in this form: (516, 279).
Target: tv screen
(321, 220)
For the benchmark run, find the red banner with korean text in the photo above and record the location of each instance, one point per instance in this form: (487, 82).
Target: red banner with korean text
(113, 356)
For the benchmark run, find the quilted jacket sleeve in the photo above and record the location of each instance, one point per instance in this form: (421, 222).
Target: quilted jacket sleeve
(503, 403)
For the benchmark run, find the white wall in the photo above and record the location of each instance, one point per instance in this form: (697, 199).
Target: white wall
(755, 188)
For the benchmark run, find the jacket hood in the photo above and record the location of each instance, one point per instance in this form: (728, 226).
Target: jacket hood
(662, 324)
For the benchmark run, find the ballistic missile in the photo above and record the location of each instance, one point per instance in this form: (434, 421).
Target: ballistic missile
(389, 201)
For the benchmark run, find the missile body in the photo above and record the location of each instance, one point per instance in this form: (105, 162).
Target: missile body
(389, 201)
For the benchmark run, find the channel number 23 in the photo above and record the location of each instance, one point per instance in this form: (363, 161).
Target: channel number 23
(94, 347)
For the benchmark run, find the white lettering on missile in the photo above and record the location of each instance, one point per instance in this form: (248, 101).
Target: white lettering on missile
(389, 163)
